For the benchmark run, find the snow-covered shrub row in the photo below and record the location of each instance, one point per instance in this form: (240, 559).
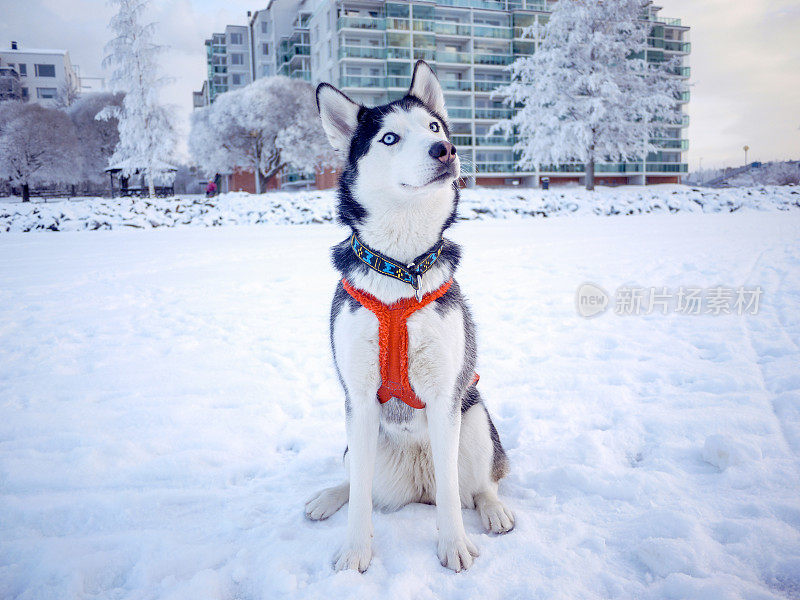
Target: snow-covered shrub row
(305, 207)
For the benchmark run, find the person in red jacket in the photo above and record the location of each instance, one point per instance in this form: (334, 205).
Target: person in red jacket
(211, 189)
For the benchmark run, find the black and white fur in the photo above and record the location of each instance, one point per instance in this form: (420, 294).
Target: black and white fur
(399, 199)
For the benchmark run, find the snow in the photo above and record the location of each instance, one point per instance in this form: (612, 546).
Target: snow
(169, 402)
(239, 208)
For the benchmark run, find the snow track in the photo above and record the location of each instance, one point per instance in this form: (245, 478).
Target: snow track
(168, 402)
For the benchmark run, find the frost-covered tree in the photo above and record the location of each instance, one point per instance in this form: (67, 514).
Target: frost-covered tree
(97, 138)
(146, 133)
(38, 145)
(588, 93)
(263, 127)
(68, 94)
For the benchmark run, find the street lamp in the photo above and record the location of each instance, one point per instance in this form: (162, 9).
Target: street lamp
(746, 148)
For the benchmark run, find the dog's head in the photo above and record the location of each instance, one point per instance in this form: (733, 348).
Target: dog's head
(397, 155)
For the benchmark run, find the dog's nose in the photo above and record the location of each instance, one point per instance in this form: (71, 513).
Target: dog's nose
(444, 151)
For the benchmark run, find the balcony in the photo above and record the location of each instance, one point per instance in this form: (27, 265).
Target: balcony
(489, 86)
(446, 28)
(398, 53)
(670, 144)
(398, 81)
(493, 59)
(495, 167)
(453, 57)
(397, 24)
(461, 140)
(424, 26)
(361, 23)
(493, 113)
(618, 167)
(424, 54)
(456, 85)
(460, 113)
(362, 52)
(362, 82)
(494, 140)
(666, 168)
(505, 33)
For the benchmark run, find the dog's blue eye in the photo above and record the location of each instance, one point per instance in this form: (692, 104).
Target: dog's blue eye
(390, 138)
(434, 126)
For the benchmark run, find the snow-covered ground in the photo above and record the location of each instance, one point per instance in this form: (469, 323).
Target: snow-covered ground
(167, 403)
(240, 208)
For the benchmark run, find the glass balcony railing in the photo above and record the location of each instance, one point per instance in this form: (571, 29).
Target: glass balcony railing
(424, 54)
(563, 168)
(495, 167)
(493, 59)
(489, 86)
(493, 32)
(397, 24)
(618, 168)
(666, 168)
(493, 113)
(362, 82)
(398, 53)
(419, 25)
(456, 85)
(460, 113)
(398, 81)
(362, 52)
(670, 144)
(446, 28)
(454, 57)
(461, 140)
(361, 23)
(494, 140)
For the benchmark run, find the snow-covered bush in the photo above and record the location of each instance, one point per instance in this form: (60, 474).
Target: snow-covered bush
(263, 127)
(588, 93)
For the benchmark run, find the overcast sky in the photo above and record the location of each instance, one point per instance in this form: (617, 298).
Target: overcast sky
(745, 61)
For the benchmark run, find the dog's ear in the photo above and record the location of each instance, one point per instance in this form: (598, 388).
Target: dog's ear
(339, 117)
(425, 86)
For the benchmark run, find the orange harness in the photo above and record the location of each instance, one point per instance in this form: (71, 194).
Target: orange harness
(393, 340)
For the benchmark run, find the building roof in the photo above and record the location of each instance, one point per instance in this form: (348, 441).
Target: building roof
(33, 51)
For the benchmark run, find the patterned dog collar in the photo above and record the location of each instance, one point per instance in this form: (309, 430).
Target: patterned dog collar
(411, 273)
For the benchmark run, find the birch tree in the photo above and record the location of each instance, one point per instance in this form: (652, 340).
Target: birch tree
(146, 133)
(588, 93)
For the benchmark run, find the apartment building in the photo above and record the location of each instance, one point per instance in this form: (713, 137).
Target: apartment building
(368, 48)
(36, 75)
(229, 62)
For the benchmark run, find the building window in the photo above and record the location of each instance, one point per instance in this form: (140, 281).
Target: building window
(266, 70)
(237, 59)
(45, 70)
(236, 78)
(23, 69)
(24, 93)
(236, 38)
(264, 48)
(264, 27)
(45, 93)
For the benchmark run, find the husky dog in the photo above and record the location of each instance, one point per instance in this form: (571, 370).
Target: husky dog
(398, 195)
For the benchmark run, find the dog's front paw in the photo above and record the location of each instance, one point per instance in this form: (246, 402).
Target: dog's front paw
(353, 556)
(496, 517)
(457, 553)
